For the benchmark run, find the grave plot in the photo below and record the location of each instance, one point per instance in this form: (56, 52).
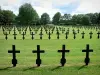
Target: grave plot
(53, 61)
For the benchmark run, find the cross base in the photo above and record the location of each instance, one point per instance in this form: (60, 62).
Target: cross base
(63, 61)
(38, 62)
(14, 62)
(87, 60)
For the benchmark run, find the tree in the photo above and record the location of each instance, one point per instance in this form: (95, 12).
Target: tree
(85, 20)
(66, 19)
(45, 19)
(7, 17)
(56, 18)
(27, 15)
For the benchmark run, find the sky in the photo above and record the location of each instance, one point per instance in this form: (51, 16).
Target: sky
(52, 6)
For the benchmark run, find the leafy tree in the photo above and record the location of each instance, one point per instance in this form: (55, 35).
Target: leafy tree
(56, 18)
(45, 19)
(27, 15)
(85, 20)
(7, 17)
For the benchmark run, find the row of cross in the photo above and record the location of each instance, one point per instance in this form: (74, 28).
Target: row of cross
(38, 51)
(49, 35)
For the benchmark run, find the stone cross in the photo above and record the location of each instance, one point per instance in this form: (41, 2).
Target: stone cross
(74, 34)
(14, 35)
(40, 35)
(98, 34)
(63, 60)
(83, 35)
(23, 35)
(6, 35)
(38, 60)
(66, 35)
(58, 34)
(87, 59)
(32, 35)
(13, 51)
(90, 34)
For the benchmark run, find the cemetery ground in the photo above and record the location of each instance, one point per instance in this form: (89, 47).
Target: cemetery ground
(51, 58)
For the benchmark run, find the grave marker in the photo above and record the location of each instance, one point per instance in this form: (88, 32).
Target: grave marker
(38, 60)
(23, 35)
(74, 34)
(83, 35)
(14, 35)
(6, 34)
(14, 60)
(90, 34)
(40, 35)
(98, 34)
(87, 59)
(32, 35)
(63, 60)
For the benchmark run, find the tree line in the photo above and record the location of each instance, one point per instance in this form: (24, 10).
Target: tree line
(28, 16)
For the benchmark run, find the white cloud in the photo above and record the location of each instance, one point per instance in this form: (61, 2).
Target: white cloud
(49, 6)
(88, 6)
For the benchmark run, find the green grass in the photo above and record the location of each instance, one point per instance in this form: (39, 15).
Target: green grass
(51, 58)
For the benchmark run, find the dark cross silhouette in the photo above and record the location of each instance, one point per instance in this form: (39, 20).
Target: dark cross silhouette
(32, 35)
(63, 60)
(66, 35)
(14, 35)
(90, 34)
(78, 30)
(73, 31)
(49, 37)
(14, 60)
(98, 34)
(38, 60)
(74, 34)
(6, 34)
(58, 34)
(14, 29)
(87, 59)
(83, 35)
(40, 35)
(23, 35)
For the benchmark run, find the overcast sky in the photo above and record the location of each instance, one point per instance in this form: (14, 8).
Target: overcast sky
(53, 6)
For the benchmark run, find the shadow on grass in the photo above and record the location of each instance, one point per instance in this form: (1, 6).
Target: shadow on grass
(5, 68)
(56, 68)
(82, 67)
(30, 68)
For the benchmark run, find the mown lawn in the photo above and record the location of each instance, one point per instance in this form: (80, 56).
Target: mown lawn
(51, 58)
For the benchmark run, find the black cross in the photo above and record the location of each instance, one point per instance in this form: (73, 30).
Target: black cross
(66, 35)
(6, 36)
(38, 60)
(14, 60)
(14, 35)
(49, 35)
(58, 34)
(78, 30)
(23, 35)
(32, 35)
(63, 60)
(40, 35)
(90, 34)
(83, 35)
(73, 31)
(74, 34)
(87, 59)
(98, 34)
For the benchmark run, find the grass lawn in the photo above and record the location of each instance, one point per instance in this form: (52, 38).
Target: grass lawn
(51, 58)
